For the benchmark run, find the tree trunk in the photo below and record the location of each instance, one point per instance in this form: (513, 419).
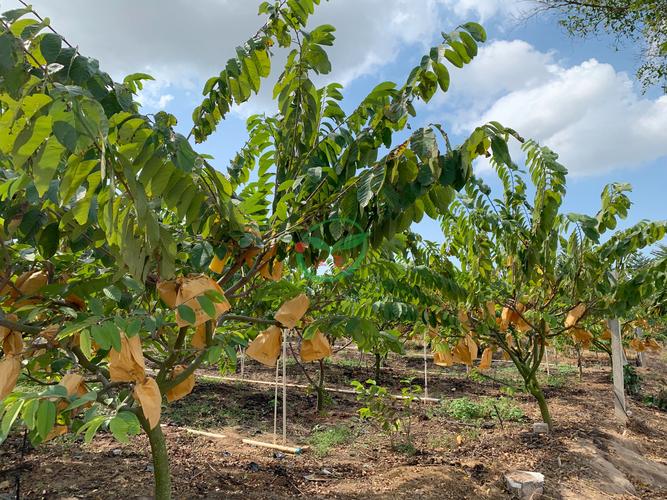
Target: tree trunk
(378, 364)
(320, 389)
(161, 474)
(580, 363)
(533, 387)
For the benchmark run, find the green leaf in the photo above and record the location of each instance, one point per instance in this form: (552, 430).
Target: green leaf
(215, 296)
(30, 413)
(476, 31)
(88, 397)
(99, 335)
(187, 314)
(113, 334)
(453, 58)
(442, 74)
(91, 428)
(49, 240)
(500, 151)
(113, 292)
(11, 413)
(50, 47)
(207, 305)
(46, 418)
(85, 344)
(119, 428)
(45, 166)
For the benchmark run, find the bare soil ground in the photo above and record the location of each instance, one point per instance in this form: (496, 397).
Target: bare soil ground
(589, 455)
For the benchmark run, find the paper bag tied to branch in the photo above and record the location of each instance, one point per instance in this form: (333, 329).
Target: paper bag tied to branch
(147, 393)
(184, 388)
(487, 358)
(128, 364)
(184, 291)
(198, 340)
(10, 368)
(266, 346)
(443, 358)
(575, 315)
(292, 311)
(12, 342)
(316, 348)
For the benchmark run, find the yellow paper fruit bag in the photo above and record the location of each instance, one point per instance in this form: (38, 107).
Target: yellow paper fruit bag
(184, 388)
(292, 311)
(266, 346)
(316, 348)
(150, 399)
(128, 364)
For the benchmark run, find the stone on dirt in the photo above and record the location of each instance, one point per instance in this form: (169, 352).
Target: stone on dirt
(540, 428)
(524, 484)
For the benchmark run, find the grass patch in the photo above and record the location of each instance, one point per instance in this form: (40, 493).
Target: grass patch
(323, 440)
(468, 410)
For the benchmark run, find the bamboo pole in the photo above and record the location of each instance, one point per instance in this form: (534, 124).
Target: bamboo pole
(273, 446)
(284, 389)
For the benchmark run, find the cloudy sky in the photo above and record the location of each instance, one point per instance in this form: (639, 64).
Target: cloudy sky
(577, 96)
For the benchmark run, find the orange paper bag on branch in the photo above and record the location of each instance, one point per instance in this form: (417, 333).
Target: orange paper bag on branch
(128, 364)
(461, 353)
(266, 346)
(316, 348)
(443, 358)
(184, 388)
(189, 291)
(147, 393)
(487, 358)
(198, 340)
(292, 311)
(10, 368)
(575, 315)
(12, 342)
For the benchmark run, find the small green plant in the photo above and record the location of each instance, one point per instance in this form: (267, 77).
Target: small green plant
(658, 401)
(631, 380)
(467, 410)
(393, 417)
(323, 440)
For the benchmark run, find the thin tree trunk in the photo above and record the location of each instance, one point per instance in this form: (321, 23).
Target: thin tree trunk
(378, 364)
(161, 474)
(534, 388)
(320, 388)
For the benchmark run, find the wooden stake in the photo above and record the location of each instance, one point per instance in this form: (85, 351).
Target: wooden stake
(287, 449)
(204, 433)
(620, 409)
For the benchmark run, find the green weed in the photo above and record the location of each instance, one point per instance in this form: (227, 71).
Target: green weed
(323, 440)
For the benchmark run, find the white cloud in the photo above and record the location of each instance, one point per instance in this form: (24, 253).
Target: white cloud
(184, 42)
(590, 114)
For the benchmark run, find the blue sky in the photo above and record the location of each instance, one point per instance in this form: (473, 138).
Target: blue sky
(577, 96)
